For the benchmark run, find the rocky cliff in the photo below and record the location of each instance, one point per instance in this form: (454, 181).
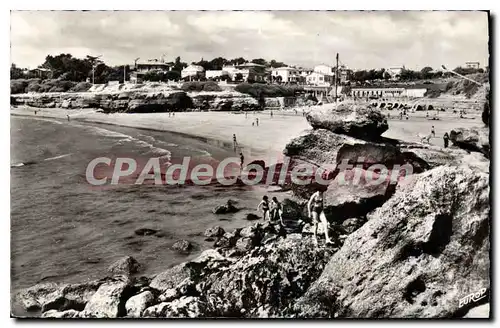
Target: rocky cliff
(412, 248)
(140, 100)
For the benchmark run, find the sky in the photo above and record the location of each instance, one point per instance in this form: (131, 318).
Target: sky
(363, 39)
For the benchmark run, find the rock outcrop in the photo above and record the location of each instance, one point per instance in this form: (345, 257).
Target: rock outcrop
(140, 100)
(472, 139)
(350, 119)
(416, 257)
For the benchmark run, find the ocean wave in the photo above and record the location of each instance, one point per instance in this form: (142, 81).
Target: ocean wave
(125, 138)
(57, 157)
(55, 121)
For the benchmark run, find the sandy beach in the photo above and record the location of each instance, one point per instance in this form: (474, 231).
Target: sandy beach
(267, 139)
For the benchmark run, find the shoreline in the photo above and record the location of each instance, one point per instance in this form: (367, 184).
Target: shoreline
(215, 128)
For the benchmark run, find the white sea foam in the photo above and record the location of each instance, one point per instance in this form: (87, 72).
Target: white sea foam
(57, 157)
(125, 138)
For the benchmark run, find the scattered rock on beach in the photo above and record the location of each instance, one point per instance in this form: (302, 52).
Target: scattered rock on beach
(215, 231)
(126, 265)
(146, 231)
(226, 208)
(182, 246)
(252, 217)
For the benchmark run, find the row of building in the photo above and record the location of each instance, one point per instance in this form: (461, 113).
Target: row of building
(321, 75)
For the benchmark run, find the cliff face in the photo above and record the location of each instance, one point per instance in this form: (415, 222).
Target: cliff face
(140, 101)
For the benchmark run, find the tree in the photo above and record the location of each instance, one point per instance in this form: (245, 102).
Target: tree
(237, 61)
(426, 72)
(238, 77)
(260, 61)
(217, 63)
(178, 65)
(15, 72)
(274, 64)
(172, 76)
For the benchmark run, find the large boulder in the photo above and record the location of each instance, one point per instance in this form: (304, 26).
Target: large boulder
(170, 278)
(138, 303)
(472, 139)
(108, 301)
(60, 297)
(327, 149)
(351, 119)
(420, 253)
(355, 193)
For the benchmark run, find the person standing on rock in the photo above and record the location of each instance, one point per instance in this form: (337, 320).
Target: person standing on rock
(264, 207)
(446, 139)
(276, 210)
(257, 121)
(315, 211)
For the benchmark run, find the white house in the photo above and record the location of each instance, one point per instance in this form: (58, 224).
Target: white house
(216, 74)
(319, 79)
(144, 67)
(323, 69)
(475, 65)
(193, 71)
(304, 72)
(286, 74)
(395, 71)
(248, 71)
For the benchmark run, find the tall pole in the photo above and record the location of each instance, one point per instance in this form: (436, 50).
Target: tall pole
(124, 75)
(336, 74)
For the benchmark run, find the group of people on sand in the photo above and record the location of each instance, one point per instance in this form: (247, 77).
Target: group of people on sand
(273, 212)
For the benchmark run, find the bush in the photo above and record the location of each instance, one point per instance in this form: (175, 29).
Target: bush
(18, 86)
(33, 87)
(81, 87)
(258, 90)
(200, 86)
